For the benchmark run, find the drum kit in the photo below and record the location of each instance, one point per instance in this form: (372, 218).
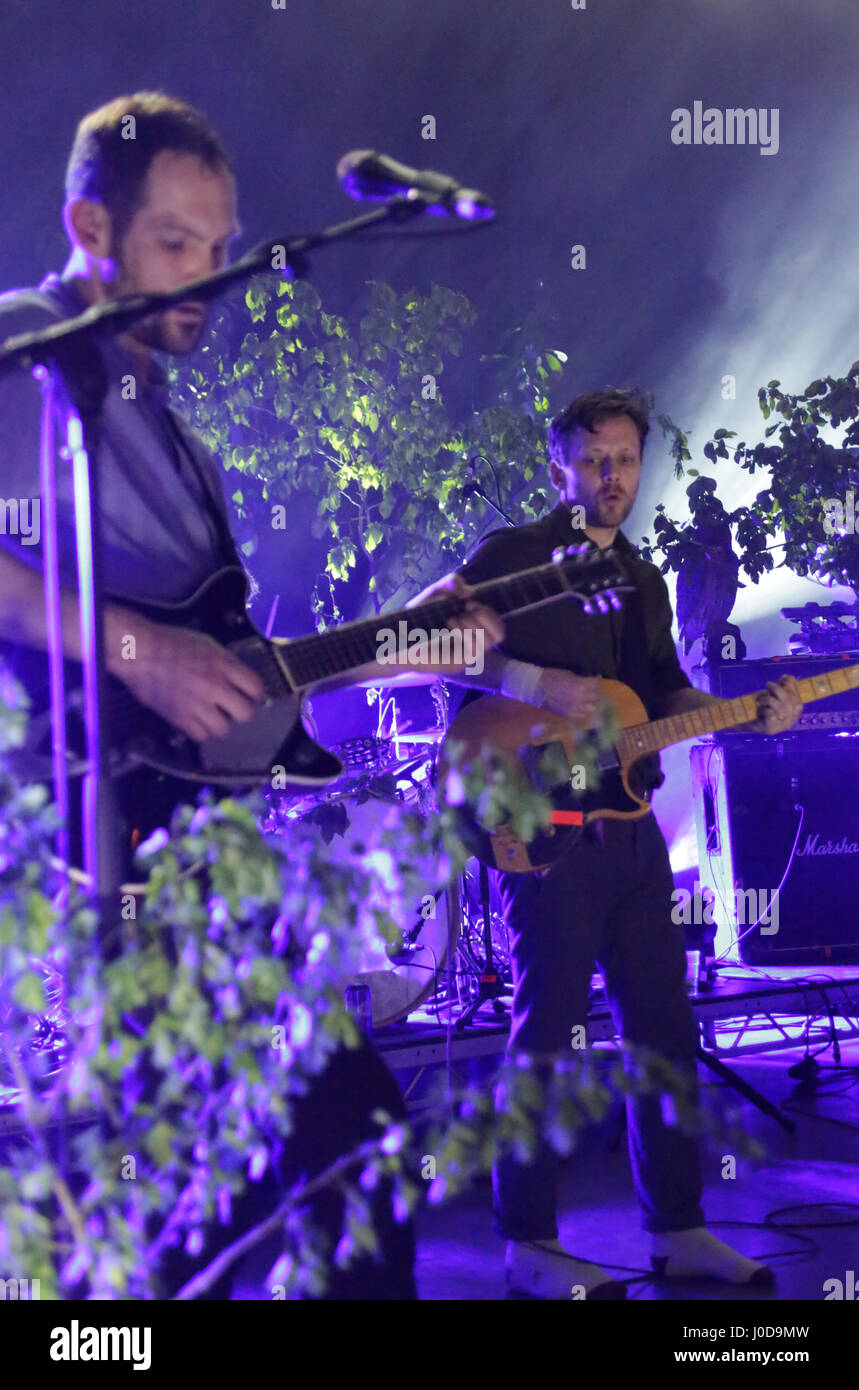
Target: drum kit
(453, 951)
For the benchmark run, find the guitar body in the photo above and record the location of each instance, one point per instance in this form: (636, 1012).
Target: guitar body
(272, 748)
(518, 733)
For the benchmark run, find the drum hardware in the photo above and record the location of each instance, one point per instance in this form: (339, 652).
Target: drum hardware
(402, 976)
(389, 729)
(459, 990)
(359, 1007)
(389, 771)
(366, 752)
(385, 772)
(490, 983)
(440, 696)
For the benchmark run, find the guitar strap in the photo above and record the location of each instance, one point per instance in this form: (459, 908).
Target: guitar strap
(634, 669)
(634, 658)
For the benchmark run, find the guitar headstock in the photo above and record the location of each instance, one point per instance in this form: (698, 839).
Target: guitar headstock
(594, 576)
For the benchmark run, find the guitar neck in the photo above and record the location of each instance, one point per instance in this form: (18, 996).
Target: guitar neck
(327, 654)
(639, 739)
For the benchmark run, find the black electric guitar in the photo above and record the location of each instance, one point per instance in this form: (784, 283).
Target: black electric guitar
(272, 748)
(509, 729)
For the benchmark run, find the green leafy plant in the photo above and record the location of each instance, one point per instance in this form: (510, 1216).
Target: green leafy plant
(805, 468)
(292, 398)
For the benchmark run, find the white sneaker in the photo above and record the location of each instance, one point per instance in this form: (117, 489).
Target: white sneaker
(543, 1269)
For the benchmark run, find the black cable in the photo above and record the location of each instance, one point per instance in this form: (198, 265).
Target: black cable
(770, 1218)
(810, 1246)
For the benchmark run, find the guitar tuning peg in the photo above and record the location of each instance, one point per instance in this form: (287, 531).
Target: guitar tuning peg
(588, 608)
(614, 601)
(601, 603)
(558, 555)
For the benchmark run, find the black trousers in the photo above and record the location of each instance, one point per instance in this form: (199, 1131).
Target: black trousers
(607, 902)
(332, 1119)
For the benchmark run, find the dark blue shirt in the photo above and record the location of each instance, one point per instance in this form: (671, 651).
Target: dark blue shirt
(164, 520)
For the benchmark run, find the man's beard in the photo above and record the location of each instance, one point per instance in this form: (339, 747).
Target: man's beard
(155, 332)
(150, 332)
(605, 516)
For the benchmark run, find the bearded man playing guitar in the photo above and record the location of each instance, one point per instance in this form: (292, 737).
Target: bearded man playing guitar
(608, 899)
(151, 206)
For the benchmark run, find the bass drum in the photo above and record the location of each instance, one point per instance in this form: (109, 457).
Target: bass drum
(399, 976)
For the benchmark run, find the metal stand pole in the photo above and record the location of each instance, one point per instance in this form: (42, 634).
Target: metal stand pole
(78, 388)
(53, 614)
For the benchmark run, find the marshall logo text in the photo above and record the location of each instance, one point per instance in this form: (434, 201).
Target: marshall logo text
(813, 847)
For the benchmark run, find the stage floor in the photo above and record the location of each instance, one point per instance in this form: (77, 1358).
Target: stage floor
(460, 1259)
(758, 1018)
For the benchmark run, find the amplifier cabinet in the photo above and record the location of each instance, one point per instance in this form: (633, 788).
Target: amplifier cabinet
(762, 804)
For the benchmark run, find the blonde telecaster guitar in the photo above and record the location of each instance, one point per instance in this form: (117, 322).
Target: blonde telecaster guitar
(508, 729)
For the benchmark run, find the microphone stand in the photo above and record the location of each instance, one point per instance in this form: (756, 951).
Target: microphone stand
(75, 390)
(473, 489)
(66, 359)
(490, 985)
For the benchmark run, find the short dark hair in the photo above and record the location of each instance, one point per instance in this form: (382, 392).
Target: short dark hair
(110, 166)
(591, 409)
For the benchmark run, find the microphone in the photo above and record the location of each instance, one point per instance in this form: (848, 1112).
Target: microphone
(369, 176)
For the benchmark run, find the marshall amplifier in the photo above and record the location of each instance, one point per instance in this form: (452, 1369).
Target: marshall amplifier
(731, 678)
(777, 822)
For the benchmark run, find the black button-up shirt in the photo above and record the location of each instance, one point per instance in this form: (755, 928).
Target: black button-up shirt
(633, 645)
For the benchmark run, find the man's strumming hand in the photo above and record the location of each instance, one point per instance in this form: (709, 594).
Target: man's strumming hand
(193, 682)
